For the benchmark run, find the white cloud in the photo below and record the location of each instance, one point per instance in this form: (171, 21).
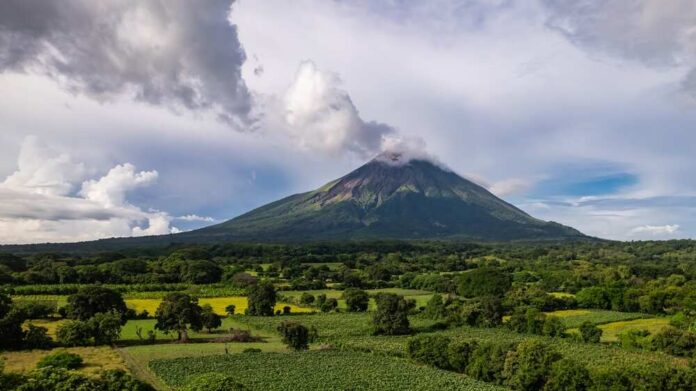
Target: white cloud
(36, 203)
(111, 189)
(656, 230)
(321, 116)
(194, 217)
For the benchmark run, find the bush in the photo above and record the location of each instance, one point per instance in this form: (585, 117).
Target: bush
(357, 300)
(635, 339)
(487, 362)
(590, 333)
(295, 335)
(38, 309)
(213, 382)
(567, 374)
(61, 359)
(675, 342)
(391, 317)
(435, 308)
(118, 380)
(74, 333)
(37, 337)
(431, 350)
(329, 305)
(459, 354)
(553, 327)
(230, 309)
(527, 368)
(307, 298)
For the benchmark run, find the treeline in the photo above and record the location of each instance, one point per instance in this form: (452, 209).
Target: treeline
(534, 365)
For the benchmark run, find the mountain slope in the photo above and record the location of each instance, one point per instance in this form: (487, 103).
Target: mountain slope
(389, 198)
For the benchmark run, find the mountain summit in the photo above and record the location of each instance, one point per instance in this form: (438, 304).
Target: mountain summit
(390, 197)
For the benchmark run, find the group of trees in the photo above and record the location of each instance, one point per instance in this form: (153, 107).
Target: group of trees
(533, 365)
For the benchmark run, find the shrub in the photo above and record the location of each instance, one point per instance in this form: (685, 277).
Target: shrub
(213, 382)
(61, 359)
(590, 333)
(487, 362)
(37, 337)
(635, 339)
(527, 368)
(230, 309)
(295, 335)
(567, 374)
(287, 310)
(74, 333)
(459, 354)
(431, 350)
(357, 300)
(118, 380)
(329, 305)
(307, 298)
(391, 317)
(553, 327)
(435, 308)
(674, 341)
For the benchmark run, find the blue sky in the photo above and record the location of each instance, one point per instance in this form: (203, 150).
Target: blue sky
(158, 116)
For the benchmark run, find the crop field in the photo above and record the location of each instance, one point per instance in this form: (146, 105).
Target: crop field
(319, 370)
(218, 304)
(95, 359)
(611, 331)
(574, 318)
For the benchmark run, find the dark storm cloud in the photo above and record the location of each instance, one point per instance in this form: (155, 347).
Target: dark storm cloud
(173, 53)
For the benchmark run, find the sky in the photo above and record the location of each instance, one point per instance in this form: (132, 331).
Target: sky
(128, 118)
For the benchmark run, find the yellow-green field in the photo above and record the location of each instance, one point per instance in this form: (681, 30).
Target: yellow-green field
(95, 359)
(218, 304)
(569, 313)
(561, 295)
(611, 331)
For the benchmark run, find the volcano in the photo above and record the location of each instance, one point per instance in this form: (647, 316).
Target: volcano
(390, 197)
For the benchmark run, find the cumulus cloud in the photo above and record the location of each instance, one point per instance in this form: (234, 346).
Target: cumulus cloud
(656, 33)
(194, 217)
(172, 53)
(321, 115)
(37, 202)
(41, 171)
(656, 229)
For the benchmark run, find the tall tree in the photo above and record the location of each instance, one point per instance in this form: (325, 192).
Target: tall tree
(89, 301)
(391, 317)
(178, 312)
(261, 299)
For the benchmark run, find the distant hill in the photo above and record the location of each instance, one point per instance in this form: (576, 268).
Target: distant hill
(389, 198)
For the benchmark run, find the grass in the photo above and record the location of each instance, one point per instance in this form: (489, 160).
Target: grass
(319, 370)
(95, 359)
(128, 332)
(574, 318)
(612, 330)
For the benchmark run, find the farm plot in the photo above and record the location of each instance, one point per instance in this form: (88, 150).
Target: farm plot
(574, 318)
(320, 370)
(611, 331)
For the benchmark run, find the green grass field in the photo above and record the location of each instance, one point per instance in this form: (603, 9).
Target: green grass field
(611, 331)
(319, 370)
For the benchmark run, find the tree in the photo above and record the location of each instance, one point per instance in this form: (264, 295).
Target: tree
(37, 337)
(483, 282)
(230, 309)
(261, 299)
(178, 312)
(95, 299)
(567, 374)
(529, 366)
(105, 327)
(74, 333)
(5, 304)
(357, 300)
(435, 308)
(306, 298)
(590, 333)
(295, 335)
(329, 305)
(210, 319)
(11, 333)
(459, 354)
(553, 327)
(391, 317)
(431, 350)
